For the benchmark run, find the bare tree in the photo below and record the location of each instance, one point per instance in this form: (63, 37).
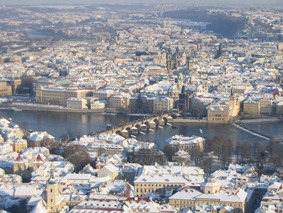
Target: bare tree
(77, 155)
(222, 148)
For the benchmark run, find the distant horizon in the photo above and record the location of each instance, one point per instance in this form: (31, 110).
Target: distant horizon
(250, 3)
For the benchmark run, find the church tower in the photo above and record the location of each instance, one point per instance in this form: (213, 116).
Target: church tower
(55, 199)
(182, 105)
(169, 58)
(234, 104)
(180, 81)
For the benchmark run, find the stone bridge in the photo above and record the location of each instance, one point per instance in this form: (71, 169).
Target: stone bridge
(137, 126)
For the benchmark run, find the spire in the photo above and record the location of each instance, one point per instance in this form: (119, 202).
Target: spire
(52, 178)
(183, 89)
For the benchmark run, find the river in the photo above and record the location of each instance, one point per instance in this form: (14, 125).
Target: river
(58, 124)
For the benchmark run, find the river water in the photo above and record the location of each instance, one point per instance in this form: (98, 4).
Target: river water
(58, 124)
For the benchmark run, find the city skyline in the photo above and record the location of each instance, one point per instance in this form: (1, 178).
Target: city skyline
(174, 108)
(222, 2)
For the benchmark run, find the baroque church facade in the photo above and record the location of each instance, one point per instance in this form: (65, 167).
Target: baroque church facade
(172, 59)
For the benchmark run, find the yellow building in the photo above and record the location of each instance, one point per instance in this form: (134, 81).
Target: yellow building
(265, 106)
(55, 198)
(5, 89)
(223, 113)
(28, 164)
(234, 105)
(14, 84)
(161, 179)
(58, 96)
(19, 145)
(119, 102)
(210, 193)
(218, 114)
(158, 184)
(252, 107)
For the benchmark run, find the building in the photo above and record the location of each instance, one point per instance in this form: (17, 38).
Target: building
(77, 103)
(198, 105)
(158, 184)
(183, 101)
(162, 104)
(103, 94)
(119, 102)
(136, 205)
(108, 171)
(155, 70)
(5, 148)
(55, 198)
(218, 113)
(24, 164)
(265, 106)
(103, 204)
(181, 156)
(173, 92)
(258, 106)
(19, 145)
(174, 60)
(280, 46)
(39, 139)
(58, 96)
(209, 192)
(279, 108)
(14, 84)
(188, 144)
(97, 105)
(5, 89)
(162, 179)
(252, 107)
(105, 148)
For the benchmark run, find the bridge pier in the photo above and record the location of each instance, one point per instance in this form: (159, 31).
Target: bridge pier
(125, 133)
(152, 124)
(143, 125)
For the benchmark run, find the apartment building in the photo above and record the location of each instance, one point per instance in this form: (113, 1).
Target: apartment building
(162, 179)
(58, 96)
(210, 192)
(162, 104)
(77, 103)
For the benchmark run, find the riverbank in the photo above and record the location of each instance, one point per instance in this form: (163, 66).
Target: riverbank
(45, 108)
(262, 120)
(55, 108)
(186, 120)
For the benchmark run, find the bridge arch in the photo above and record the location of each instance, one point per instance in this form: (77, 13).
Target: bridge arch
(138, 126)
(118, 132)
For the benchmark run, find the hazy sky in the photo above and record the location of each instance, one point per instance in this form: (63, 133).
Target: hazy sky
(210, 2)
